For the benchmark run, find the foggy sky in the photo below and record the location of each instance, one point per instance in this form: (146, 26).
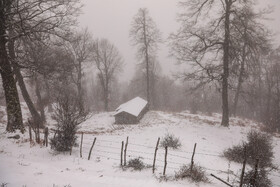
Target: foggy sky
(112, 19)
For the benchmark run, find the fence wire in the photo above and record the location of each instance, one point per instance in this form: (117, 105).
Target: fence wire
(109, 149)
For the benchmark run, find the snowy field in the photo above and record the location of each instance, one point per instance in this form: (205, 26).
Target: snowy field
(22, 164)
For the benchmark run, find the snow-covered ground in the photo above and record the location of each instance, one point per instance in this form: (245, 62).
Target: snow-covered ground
(22, 164)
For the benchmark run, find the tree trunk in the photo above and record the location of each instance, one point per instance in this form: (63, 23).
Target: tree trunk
(50, 109)
(260, 111)
(242, 70)
(106, 94)
(79, 87)
(13, 109)
(40, 103)
(238, 90)
(35, 115)
(225, 117)
(240, 79)
(106, 103)
(147, 62)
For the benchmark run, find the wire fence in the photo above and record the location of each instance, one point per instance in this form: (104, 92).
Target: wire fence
(111, 150)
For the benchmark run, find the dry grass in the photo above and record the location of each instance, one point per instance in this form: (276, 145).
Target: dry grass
(196, 174)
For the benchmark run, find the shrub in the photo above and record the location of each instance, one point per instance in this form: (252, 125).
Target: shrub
(3, 184)
(136, 164)
(197, 174)
(169, 140)
(258, 145)
(68, 117)
(262, 179)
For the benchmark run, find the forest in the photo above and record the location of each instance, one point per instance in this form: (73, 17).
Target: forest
(227, 62)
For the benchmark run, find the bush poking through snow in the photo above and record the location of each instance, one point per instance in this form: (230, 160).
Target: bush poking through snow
(170, 141)
(3, 184)
(258, 145)
(197, 174)
(136, 164)
(262, 179)
(68, 117)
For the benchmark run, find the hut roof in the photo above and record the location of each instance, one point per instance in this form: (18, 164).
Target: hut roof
(133, 106)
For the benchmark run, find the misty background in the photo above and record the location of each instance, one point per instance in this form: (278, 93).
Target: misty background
(112, 19)
(96, 51)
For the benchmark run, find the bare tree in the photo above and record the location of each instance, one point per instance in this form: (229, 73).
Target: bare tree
(204, 40)
(9, 84)
(250, 38)
(16, 68)
(81, 48)
(146, 36)
(108, 62)
(19, 18)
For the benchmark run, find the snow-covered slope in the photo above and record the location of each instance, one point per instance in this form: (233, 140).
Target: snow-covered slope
(22, 164)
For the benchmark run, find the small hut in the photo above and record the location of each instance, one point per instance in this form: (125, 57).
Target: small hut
(131, 112)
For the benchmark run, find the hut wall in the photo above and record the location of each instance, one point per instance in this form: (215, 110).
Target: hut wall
(125, 118)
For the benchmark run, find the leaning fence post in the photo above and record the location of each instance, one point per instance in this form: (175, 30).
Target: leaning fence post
(155, 155)
(192, 162)
(91, 148)
(165, 161)
(243, 168)
(125, 149)
(218, 178)
(81, 146)
(122, 154)
(254, 180)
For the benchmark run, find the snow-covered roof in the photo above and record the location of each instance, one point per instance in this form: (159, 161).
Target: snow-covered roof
(133, 107)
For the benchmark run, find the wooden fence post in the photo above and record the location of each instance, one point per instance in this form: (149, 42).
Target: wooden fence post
(125, 149)
(91, 148)
(165, 161)
(192, 162)
(81, 146)
(46, 134)
(228, 171)
(254, 179)
(243, 168)
(122, 154)
(221, 180)
(155, 155)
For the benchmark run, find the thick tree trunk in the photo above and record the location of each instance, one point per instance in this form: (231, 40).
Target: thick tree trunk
(13, 109)
(225, 117)
(35, 115)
